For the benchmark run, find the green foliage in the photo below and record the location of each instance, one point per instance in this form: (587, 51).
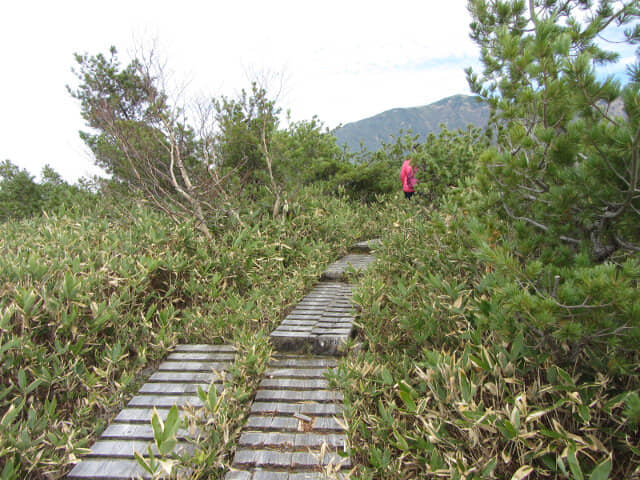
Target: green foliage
(114, 98)
(19, 194)
(21, 197)
(444, 161)
(475, 366)
(246, 125)
(90, 299)
(143, 140)
(566, 164)
(304, 150)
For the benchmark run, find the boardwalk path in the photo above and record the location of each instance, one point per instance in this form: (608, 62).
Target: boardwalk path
(295, 430)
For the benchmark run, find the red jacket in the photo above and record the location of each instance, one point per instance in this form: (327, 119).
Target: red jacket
(407, 176)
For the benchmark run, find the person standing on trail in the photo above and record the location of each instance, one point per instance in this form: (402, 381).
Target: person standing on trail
(407, 175)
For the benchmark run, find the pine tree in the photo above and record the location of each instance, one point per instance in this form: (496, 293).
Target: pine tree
(564, 163)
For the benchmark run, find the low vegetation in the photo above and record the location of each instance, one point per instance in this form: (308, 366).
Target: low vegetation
(498, 328)
(477, 364)
(90, 300)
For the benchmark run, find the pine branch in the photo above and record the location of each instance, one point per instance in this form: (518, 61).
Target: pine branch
(538, 225)
(627, 245)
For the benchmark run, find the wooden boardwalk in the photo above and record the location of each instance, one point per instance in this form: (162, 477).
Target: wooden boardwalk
(175, 383)
(321, 323)
(296, 429)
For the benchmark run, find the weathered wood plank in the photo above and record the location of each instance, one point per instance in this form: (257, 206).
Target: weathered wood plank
(138, 432)
(201, 356)
(175, 388)
(125, 448)
(297, 372)
(311, 460)
(339, 332)
(288, 424)
(292, 362)
(295, 383)
(113, 469)
(244, 475)
(322, 396)
(288, 334)
(186, 377)
(143, 415)
(313, 409)
(291, 441)
(204, 348)
(194, 366)
(307, 323)
(269, 458)
(262, 458)
(284, 327)
(166, 401)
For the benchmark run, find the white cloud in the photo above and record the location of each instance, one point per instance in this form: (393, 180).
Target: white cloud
(341, 60)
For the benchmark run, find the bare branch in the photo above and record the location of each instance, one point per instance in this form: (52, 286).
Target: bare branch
(627, 245)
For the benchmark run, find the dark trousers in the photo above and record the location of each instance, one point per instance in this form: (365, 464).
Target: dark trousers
(408, 194)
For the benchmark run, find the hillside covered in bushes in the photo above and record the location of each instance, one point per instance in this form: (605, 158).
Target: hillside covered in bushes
(497, 333)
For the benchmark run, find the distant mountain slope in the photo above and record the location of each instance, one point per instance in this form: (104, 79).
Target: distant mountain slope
(455, 112)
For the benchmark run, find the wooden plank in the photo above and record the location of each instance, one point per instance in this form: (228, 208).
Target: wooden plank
(286, 327)
(201, 356)
(194, 366)
(302, 362)
(204, 348)
(288, 424)
(166, 401)
(138, 432)
(322, 396)
(273, 475)
(308, 323)
(267, 439)
(143, 415)
(311, 460)
(309, 310)
(178, 377)
(272, 423)
(330, 325)
(126, 448)
(244, 475)
(339, 332)
(303, 317)
(316, 476)
(297, 372)
(288, 334)
(291, 441)
(313, 409)
(113, 469)
(262, 458)
(175, 388)
(295, 383)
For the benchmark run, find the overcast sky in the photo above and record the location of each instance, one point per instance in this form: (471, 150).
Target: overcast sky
(340, 60)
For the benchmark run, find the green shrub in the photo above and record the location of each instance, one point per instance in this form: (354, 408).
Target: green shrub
(90, 299)
(475, 366)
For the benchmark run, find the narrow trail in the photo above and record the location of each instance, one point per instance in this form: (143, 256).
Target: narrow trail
(295, 429)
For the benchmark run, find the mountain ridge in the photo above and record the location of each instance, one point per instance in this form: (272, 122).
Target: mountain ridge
(457, 111)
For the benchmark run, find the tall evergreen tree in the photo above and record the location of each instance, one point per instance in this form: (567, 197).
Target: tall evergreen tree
(565, 163)
(141, 139)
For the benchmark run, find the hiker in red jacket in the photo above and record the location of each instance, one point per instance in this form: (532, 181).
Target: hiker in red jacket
(407, 175)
